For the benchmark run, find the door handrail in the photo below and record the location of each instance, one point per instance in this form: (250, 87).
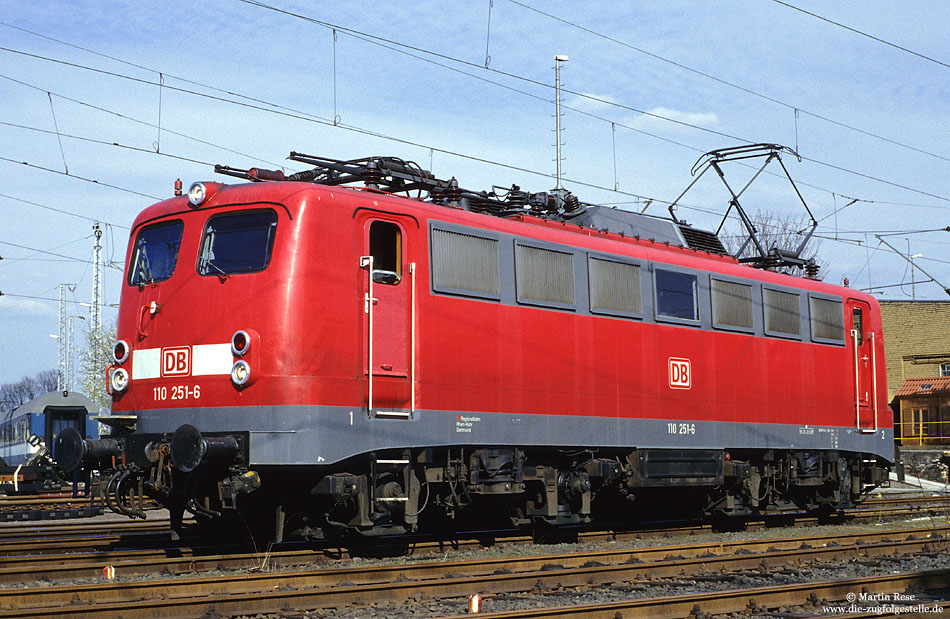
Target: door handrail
(857, 381)
(873, 385)
(412, 339)
(366, 262)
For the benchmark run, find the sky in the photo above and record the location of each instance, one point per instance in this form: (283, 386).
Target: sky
(103, 105)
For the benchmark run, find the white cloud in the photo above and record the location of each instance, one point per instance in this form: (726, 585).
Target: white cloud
(590, 102)
(658, 119)
(28, 308)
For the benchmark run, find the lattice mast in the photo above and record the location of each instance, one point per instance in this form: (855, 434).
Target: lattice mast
(62, 365)
(557, 115)
(95, 312)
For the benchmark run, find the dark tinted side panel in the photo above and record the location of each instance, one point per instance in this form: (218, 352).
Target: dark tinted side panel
(155, 253)
(676, 295)
(237, 243)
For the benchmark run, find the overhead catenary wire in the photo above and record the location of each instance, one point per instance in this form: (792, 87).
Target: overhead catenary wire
(316, 118)
(169, 155)
(321, 121)
(38, 298)
(304, 116)
(796, 108)
(45, 252)
(81, 178)
(395, 48)
(378, 41)
(108, 143)
(864, 34)
(600, 100)
(131, 64)
(61, 211)
(140, 122)
(376, 134)
(868, 201)
(640, 198)
(58, 136)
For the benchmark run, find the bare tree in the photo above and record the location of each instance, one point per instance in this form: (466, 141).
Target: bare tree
(9, 399)
(784, 232)
(22, 391)
(48, 380)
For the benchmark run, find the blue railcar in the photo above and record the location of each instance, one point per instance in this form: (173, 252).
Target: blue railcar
(29, 430)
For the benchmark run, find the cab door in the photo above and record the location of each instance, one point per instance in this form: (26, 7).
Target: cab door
(862, 343)
(387, 282)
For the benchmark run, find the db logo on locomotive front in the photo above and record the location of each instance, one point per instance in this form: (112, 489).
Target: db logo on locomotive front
(176, 361)
(680, 373)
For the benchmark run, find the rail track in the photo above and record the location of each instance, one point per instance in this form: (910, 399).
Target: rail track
(814, 598)
(87, 535)
(60, 552)
(255, 590)
(107, 536)
(19, 569)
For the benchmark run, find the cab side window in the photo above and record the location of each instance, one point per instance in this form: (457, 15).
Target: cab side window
(385, 246)
(858, 325)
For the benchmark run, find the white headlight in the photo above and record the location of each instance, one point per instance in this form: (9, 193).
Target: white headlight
(197, 193)
(119, 380)
(240, 372)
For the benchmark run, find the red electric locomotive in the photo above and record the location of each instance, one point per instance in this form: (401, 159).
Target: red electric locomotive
(319, 358)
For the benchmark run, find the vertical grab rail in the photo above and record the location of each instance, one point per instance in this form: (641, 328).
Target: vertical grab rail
(412, 341)
(857, 381)
(366, 262)
(873, 379)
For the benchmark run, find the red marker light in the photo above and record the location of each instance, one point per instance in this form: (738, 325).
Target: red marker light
(240, 343)
(120, 351)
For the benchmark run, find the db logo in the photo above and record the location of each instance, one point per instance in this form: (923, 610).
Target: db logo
(680, 374)
(176, 361)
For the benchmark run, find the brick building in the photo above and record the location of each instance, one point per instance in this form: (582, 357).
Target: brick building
(917, 346)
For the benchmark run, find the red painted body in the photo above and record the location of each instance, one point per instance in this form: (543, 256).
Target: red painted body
(306, 316)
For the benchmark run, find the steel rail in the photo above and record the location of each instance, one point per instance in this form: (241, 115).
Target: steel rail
(90, 536)
(744, 601)
(34, 501)
(79, 527)
(58, 567)
(268, 592)
(23, 569)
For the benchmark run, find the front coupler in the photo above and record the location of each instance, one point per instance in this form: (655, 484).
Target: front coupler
(185, 470)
